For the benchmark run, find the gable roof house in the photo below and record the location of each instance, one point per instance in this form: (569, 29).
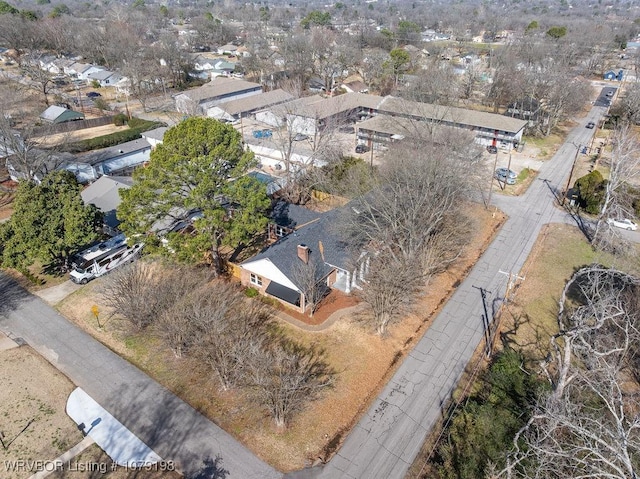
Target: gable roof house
(57, 114)
(104, 77)
(312, 239)
(220, 89)
(120, 159)
(84, 74)
(76, 69)
(104, 194)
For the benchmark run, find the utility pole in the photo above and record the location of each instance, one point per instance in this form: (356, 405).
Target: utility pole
(495, 164)
(566, 189)
(485, 319)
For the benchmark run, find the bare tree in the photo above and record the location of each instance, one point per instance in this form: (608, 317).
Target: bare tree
(624, 168)
(227, 331)
(588, 425)
(412, 223)
(27, 159)
(310, 276)
(142, 292)
(287, 376)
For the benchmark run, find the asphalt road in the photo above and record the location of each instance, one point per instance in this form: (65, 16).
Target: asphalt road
(388, 437)
(173, 429)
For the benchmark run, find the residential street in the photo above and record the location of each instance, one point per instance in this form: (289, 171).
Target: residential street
(165, 423)
(389, 436)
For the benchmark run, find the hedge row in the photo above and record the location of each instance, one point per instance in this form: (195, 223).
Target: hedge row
(136, 126)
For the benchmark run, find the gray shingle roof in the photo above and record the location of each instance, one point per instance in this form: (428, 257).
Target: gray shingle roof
(284, 253)
(255, 102)
(219, 86)
(103, 193)
(292, 216)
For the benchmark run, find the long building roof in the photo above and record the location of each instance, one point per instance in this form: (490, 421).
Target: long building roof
(219, 86)
(321, 108)
(255, 102)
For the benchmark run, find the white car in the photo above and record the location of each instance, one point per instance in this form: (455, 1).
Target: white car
(623, 223)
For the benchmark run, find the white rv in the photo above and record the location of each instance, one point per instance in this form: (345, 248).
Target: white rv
(102, 258)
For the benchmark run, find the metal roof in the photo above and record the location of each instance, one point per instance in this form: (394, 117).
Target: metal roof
(255, 102)
(218, 87)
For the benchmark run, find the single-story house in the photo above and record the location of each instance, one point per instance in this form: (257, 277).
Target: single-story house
(355, 87)
(57, 114)
(104, 77)
(155, 136)
(84, 74)
(220, 89)
(103, 193)
(312, 242)
(611, 75)
(227, 49)
(76, 69)
(116, 160)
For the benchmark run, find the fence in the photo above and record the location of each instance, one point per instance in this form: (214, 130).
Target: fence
(75, 125)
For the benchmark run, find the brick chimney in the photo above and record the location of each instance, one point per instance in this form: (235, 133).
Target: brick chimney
(303, 253)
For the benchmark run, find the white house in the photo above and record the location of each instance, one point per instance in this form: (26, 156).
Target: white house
(104, 77)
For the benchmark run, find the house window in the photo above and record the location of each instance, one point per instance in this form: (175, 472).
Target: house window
(280, 231)
(255, 279)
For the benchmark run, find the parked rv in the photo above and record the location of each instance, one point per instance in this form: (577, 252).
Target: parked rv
(102, 258)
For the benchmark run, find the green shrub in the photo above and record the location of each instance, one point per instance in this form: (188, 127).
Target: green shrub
(105, 141)
(591, 190)
(251, 292)
(120, 119)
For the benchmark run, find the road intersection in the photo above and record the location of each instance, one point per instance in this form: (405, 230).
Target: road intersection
(388, 437)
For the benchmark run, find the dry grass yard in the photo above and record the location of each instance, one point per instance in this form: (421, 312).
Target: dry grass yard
(362, 359)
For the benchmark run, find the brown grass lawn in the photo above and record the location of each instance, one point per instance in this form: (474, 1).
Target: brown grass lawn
(362, 359)
(530, 320)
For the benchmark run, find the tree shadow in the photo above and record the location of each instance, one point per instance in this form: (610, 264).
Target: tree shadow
(11, 293)
(178, 433)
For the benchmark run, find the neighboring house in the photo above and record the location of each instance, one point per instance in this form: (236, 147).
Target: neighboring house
(76, 69)
(116, 160)
(611, 75)
(227, 49)
(313, 114)
(84, 74)
(222, 68)
(244, 107)
(277, 271)
(355, 87)
(104, 194)
(220, 89)
(104, 77)
(155, 136)
(57, 114)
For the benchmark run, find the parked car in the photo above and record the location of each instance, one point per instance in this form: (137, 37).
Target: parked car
(624, 223)
(507, 173)
(505, 176)
(300, 137)
(492, 149)
(362, 148)
(262, 133)
(591, 125)
(609, 93)
(93, 94)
